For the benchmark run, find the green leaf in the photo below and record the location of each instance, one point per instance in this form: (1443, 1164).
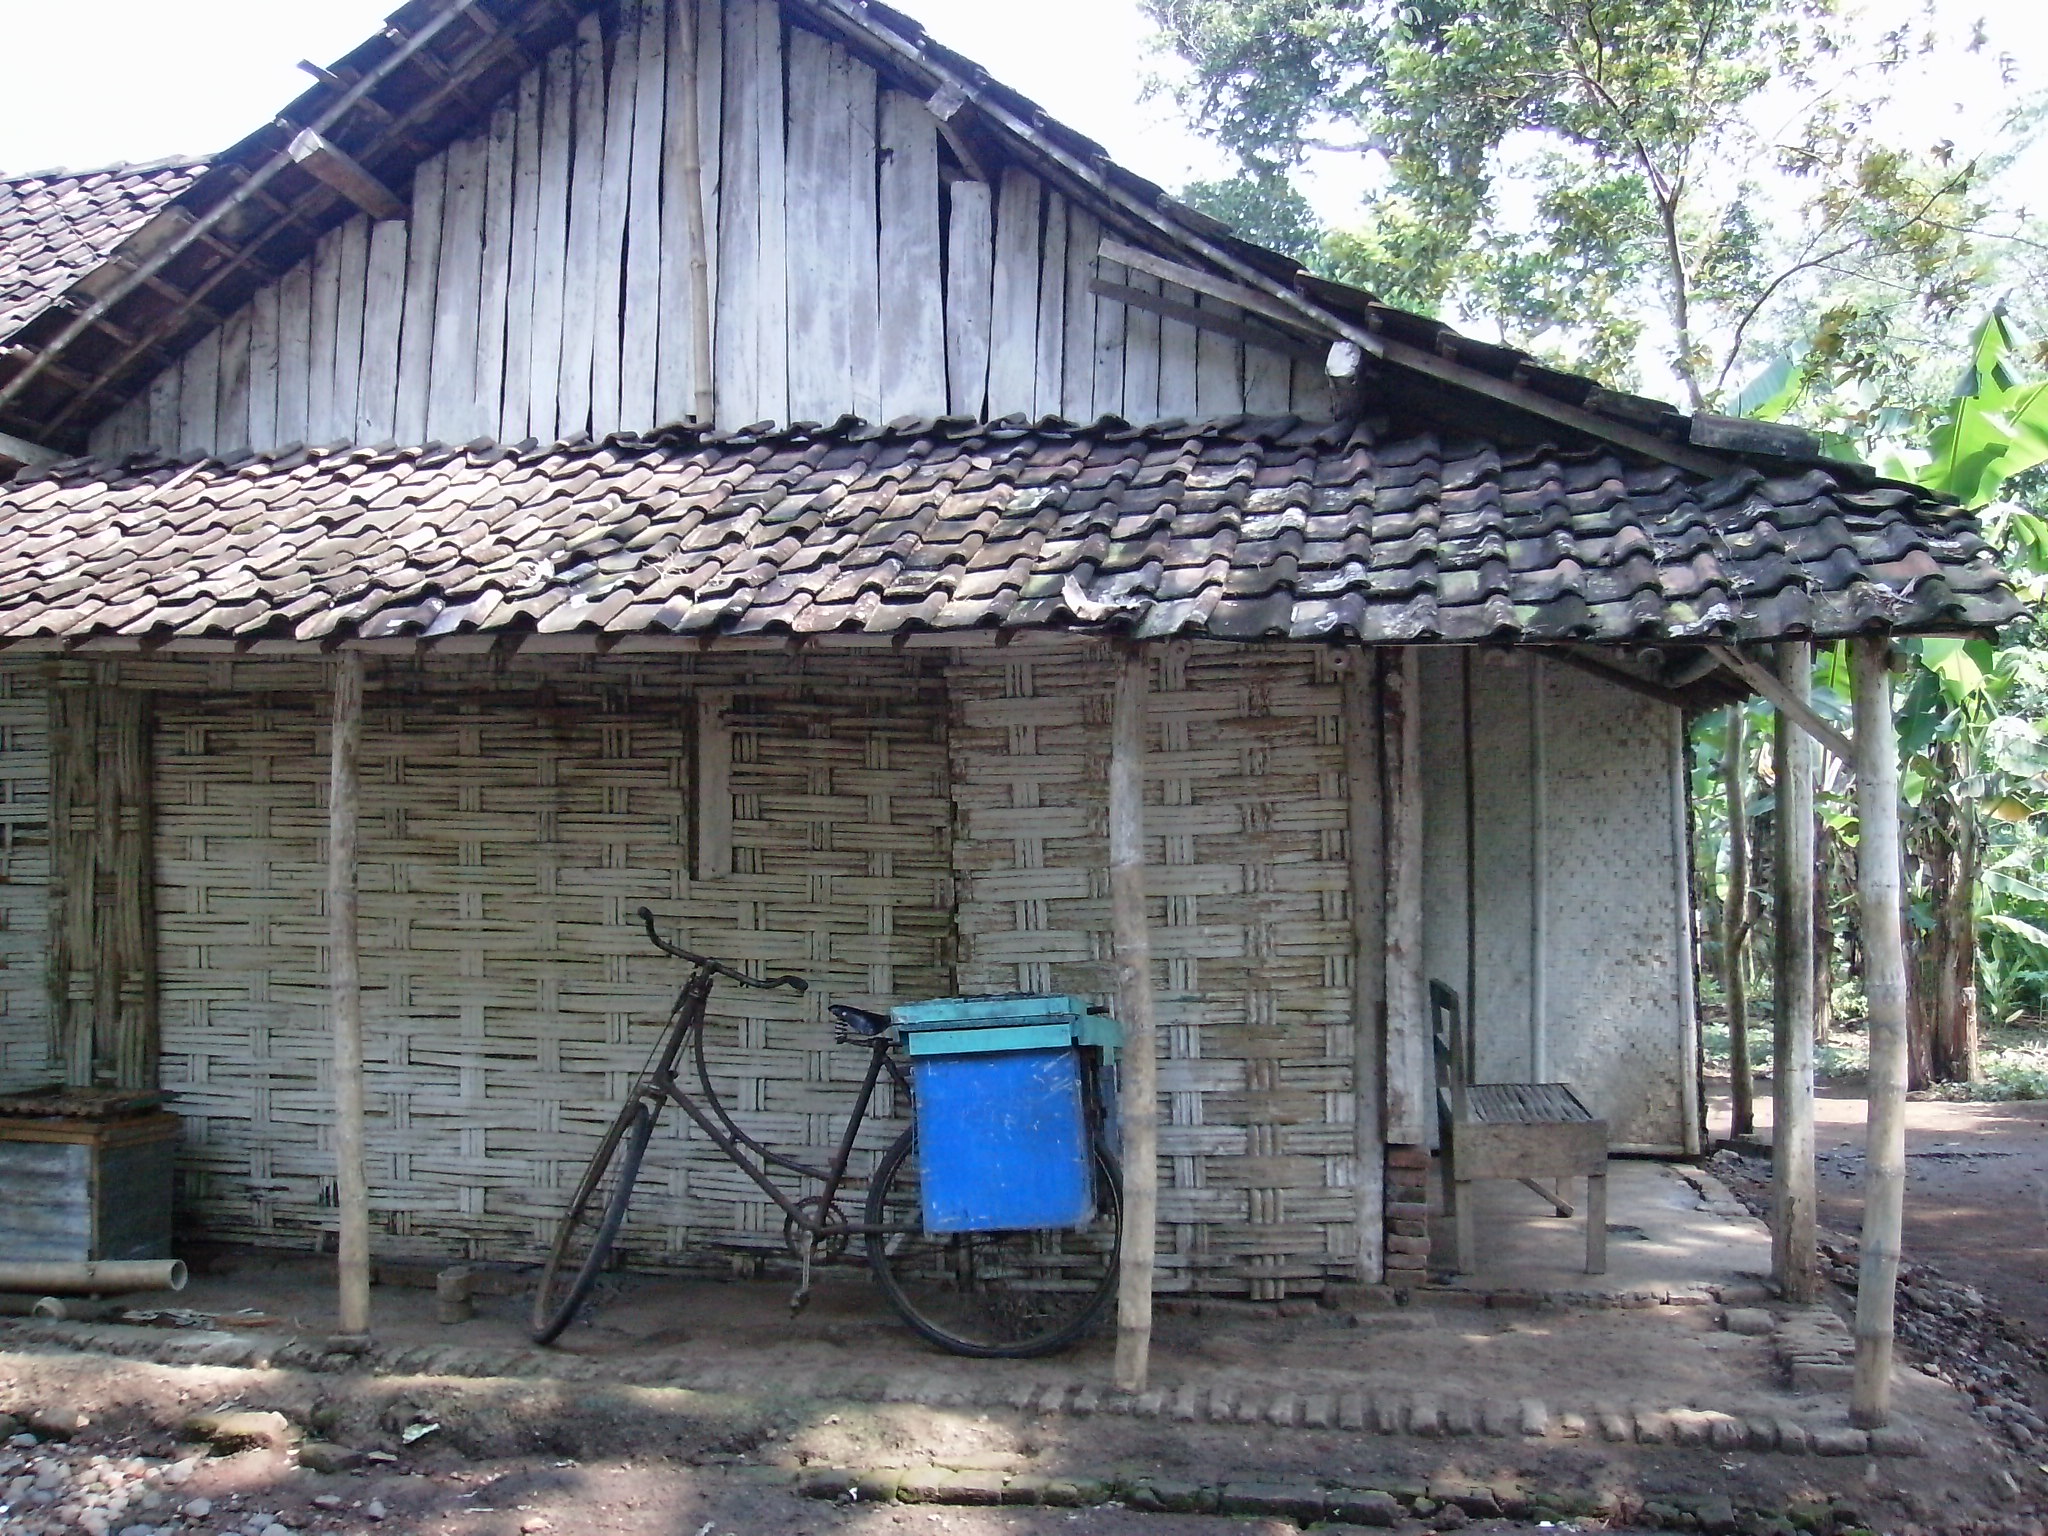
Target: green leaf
(2018, 928)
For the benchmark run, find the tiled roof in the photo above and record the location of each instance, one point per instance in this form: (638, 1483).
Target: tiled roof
(56, 226)
(1245, 529)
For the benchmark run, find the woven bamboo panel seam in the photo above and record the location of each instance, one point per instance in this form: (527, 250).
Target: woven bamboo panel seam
(1249, 884)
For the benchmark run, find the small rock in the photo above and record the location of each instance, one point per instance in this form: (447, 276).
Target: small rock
(533, 1523)
(327, 1501)
(197, 1509)
(276, 1530)
(375, 1510)
(138, 1530)
(55, 1423)
(241, 1429)
(1449, 1518)
(326, 1456)
(22, 1441)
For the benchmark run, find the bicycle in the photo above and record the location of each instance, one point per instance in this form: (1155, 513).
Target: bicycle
(984, 1294)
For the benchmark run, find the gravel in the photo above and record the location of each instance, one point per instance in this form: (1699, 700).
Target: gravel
(1953, 1332)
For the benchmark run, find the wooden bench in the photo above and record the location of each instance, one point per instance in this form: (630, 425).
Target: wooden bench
(1520, 1131)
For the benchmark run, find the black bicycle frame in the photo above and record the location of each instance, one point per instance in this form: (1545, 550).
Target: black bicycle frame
(686, 1018)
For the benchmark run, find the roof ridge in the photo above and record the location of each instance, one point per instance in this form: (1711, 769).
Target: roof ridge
(117, 168)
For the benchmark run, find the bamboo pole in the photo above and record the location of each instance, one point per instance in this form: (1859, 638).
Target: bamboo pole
(1735, 926)
(1139, 1091)
(1884, 985)
(1792, 1168)
(345, 988)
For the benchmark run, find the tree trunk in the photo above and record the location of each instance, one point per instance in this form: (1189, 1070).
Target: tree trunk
(1827, 872)
(1734, 925)
(1947, 1011)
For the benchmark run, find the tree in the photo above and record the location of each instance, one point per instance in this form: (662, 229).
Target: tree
(1567, 168)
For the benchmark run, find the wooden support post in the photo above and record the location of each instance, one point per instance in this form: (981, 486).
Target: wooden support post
(1792, 1168)
(345, 988)
(1410, 1100)
(1366, 845)
(1884, 985)
(1139, 1092)
(1735, 925)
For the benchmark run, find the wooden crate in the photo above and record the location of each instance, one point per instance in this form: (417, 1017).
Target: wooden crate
(73, 1190)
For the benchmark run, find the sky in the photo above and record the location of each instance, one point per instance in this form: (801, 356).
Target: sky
(195, 76)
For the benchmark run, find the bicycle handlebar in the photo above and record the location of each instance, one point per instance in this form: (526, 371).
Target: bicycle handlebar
(705, 962)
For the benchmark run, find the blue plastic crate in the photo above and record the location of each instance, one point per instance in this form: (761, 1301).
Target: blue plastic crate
(1002, 1141)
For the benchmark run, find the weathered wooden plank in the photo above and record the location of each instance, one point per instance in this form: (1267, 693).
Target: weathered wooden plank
(913, 314)
(516, 386)
(818, 228)
(1219, 370)
(1013, 328)
(451, 396)
(1177, 342)
(772, 297)
(1268, 382)
(550, 243)
(1794, 1212)
(232, 428)
(383, 319)
(641, 337)
(199, 397)
(713, 779)
(294, 352)
(1049, 373)
(608, 341)
(863, 249)
(326, 293)
(263, 369)
(1365, 851)
(746, 368)
(495, 288)
(162, 431)
(1141, 356)
(685, 220)
(1111, 322)
(586, 206)
(1077, 365)
(1310, 396)
(970, 277)
(351, 295)
(422, 267)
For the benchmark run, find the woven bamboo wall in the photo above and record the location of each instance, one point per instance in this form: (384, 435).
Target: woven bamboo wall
(25, 1056)
(512, 822)
(1249, 883)
(1613, 882)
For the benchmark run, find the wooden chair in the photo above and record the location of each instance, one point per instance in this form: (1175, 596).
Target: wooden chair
(1519, 1131)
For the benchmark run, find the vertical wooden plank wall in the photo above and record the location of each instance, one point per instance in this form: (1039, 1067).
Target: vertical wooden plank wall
(540, 286)
(102, 881)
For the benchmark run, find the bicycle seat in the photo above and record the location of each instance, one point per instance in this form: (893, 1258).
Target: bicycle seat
(858, 1023)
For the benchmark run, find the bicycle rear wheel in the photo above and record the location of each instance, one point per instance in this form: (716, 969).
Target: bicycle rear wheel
(992, 1294)
(584, 1239)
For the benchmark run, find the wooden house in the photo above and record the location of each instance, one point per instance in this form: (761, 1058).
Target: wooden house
(743, 444)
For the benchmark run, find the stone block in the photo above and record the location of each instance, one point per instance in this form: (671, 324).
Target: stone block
(1284, 1410)
(973, 1487)
(1461, 1419)
(1897, 1440)
(1317, 1409)
(325, 1456)
(1752, 1322)
(1535, 1418)
(1352, 1411)
(1288, 1501)
(1416, 1244)
(1408, 1157)
(1363, 1507)
(1425, 1417)
(1793, 1438)
(1821, 1376)
(1840, 1442)
(1187, 1405)
(1470, 1497)
(1179, 1498)
(825, 1483)
(240, 1429)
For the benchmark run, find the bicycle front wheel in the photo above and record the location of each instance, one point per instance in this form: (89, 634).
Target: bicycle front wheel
(992, 1294)
(584, 1239)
